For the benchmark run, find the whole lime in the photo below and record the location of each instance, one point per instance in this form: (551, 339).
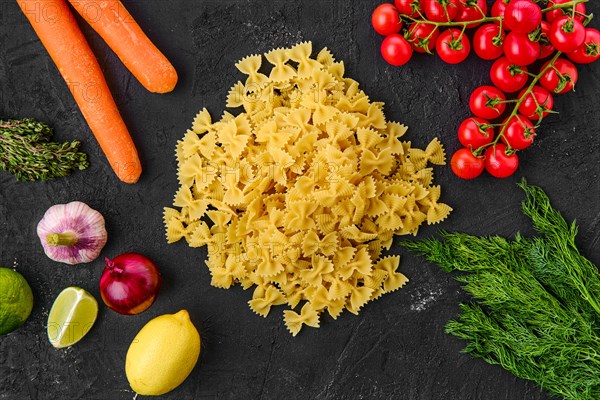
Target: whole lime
(16, 300)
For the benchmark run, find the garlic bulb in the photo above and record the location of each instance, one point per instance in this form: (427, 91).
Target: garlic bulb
(72, 233)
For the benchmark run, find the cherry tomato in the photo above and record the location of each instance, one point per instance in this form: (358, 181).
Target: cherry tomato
(566, 34)
(546, 48)
(487, 102)
(385, 20)
(561, 78)
(519, 132)
(589, 51)
(471, 10)
(475, 132)
(421, 35)
(453, 46)
(519, 49)
(507, 76)
(522, 16)
(466, 165)
(500, 164)
(440, 10)
(555, 14)
(408, 7)
(396, 50)
(539, 101)
(498, 8)
(487, 42)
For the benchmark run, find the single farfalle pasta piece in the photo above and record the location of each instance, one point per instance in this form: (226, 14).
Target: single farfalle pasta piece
(300, 193)
(281, 72)
(263, 299)
(308, 316)
(250, 66)
(313, 244)
(306, 66)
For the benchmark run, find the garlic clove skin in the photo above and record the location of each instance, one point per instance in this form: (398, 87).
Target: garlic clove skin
(72, 233)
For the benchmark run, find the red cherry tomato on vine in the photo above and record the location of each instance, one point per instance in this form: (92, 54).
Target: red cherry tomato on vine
(487, 102)
(589, 51)
(519, 132)
(466, 165)
(453, 46)
(408, 7)
(471, 10)
(487, 42)
(440, 10)
(422, 35)
(500, 164)
(539, 101)
(555, 14)
(566, 34)
(475, 132)
(519, 49)
(385, 20)
(522, 16)
(507, 76)
(498, 8)
(396, 50)
(546, 48)
(560, 78)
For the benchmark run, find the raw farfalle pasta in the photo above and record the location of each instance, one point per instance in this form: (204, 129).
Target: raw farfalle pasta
(299, 193)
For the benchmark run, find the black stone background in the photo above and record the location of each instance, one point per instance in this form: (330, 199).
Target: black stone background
(396, 348)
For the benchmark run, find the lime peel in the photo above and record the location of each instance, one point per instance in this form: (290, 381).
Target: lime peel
(16, 300)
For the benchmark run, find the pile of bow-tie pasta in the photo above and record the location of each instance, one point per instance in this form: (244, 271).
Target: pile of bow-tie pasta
(298, 194)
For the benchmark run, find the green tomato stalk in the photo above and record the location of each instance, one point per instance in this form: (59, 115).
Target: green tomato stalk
(464, 24)
(423, 42)
(528, 91)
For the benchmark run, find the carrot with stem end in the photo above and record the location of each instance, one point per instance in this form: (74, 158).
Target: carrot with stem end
(58, 31)
(125, 37)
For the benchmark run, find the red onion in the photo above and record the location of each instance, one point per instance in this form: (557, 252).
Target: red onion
(129, 283)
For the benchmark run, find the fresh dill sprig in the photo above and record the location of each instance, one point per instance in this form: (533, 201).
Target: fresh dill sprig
(27, 152)
(537, 300)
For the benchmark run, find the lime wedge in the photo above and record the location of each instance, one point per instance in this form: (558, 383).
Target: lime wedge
(72, 315)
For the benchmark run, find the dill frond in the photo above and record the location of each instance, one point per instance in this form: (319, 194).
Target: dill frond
(536, 308)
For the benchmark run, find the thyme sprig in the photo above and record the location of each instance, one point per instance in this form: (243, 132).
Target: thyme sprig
(28, 152)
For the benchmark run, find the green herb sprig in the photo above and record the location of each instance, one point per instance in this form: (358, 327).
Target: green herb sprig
(537, 300)
(27, 152)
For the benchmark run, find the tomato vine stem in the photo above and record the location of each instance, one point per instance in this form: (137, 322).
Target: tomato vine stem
(564, 5)
(529, 90)
(520, 100)
(454, 23)
(536, 77)
(424, 20)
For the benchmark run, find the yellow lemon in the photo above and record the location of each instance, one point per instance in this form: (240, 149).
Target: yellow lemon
(163, 354)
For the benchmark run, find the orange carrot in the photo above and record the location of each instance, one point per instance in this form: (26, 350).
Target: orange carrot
(124, 36)
(57, 29)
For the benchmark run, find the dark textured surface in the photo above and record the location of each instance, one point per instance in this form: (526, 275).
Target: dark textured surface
(396, 347)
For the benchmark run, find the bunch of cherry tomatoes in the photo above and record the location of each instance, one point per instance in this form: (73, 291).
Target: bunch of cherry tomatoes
(516, 34)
